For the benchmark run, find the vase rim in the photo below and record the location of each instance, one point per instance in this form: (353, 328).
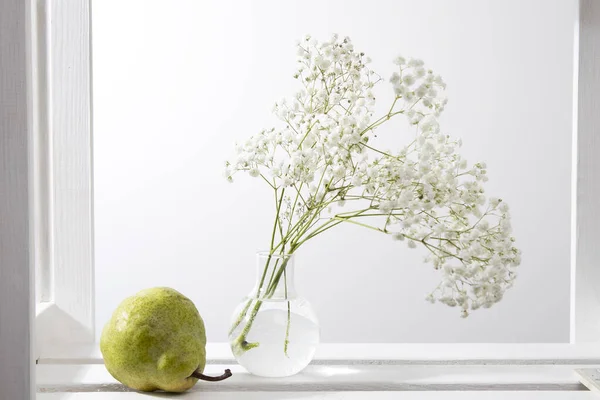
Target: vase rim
(274, 255)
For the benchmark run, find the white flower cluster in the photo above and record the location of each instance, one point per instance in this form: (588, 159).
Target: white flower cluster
(324, 122)
(424, 194)
(420, 88)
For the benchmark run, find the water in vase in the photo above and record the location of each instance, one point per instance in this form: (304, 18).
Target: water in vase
(274, 332)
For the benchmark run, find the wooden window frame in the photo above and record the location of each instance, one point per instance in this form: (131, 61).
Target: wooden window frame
(46, 188)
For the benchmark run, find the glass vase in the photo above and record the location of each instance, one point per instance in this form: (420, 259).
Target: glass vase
(274, 331)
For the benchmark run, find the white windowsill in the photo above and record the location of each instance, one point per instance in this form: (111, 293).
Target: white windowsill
(349, 371)
(389, 353)
(88, 378)
(333, 396)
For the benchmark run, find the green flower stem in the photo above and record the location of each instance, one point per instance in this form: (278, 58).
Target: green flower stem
(347, 219)
(240, 344)
(277, 222)
(380, 152)
(273, 273)
(294, 205)
(275, 281)
(289, 318)
(380, 121)
(240, 317)
(306, 222)
(307, 226)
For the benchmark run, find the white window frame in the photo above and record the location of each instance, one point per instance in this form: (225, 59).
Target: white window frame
(64, 256)
(46, 157)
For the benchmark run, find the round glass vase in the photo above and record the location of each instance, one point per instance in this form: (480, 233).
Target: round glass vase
(274, 331)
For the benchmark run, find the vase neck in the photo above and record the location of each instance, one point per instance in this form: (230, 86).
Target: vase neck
(274, 277)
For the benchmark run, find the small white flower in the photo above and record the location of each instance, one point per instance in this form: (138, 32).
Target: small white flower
(408, 80)
(398, 236)
(399, 61)
(415, 62)
(419, 72)
(322, 63)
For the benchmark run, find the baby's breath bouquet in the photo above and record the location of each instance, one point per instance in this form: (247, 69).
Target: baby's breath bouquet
(323, 169)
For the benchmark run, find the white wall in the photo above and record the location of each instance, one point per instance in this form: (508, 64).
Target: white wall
(177, 83)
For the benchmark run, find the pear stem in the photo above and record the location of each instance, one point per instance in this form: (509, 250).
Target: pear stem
(201, 376)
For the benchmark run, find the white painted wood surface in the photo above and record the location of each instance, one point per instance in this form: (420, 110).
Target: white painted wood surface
(41, 160)
(586, 305)
(70, 317)
(590, 377)
(455, 395)
(92, 378)
(16, 275)
(387, 354)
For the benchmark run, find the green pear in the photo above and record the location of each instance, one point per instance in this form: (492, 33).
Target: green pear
(155, 340)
